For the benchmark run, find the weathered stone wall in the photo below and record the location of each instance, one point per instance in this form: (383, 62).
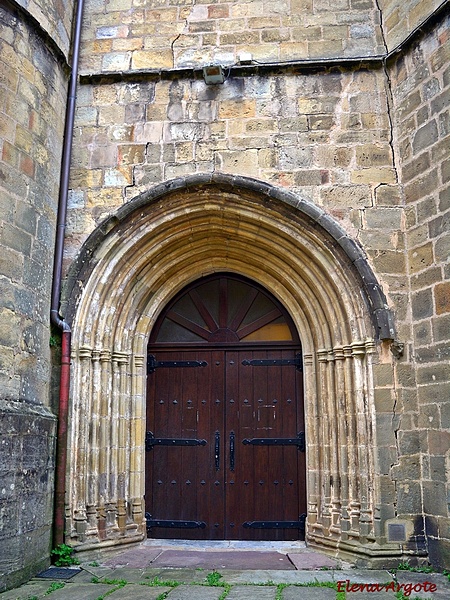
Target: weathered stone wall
(32, 102)
(421, 86)
(324, 136)
(401, 18)
(364, 142)
(153, 35)
(55, 18)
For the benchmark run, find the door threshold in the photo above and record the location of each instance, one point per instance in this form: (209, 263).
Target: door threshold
(223, 545)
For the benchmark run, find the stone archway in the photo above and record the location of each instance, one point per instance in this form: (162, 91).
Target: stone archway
(138, 260)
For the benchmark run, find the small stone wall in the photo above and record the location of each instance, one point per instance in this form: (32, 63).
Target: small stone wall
(155, 35)
(421, 101)
(33, 98)
(27, 443)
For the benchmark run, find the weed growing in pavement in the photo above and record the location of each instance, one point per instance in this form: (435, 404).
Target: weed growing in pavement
(157, 582)
(55, 585)
(405, 566)
(401, 596)
(280, 588)
(213, 578)
(63, 554)
(117, 583)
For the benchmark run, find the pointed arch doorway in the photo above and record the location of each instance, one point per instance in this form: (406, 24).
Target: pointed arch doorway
(225, 449)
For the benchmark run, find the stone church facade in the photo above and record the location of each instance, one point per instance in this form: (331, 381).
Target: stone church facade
(318, 169)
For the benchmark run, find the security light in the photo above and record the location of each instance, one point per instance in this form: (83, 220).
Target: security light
(213, 74)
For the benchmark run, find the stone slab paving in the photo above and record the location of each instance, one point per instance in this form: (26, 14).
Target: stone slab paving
(252, 592)
(371, 596)
(187, 592)
(33, 588)
(136, 557)
(229, 559)
(138, 592)
(312, 593)
(442, 591)
(184, 575)
(138, 587)
(42, 591)
(312, 560)
(236, 577)
(82, 591)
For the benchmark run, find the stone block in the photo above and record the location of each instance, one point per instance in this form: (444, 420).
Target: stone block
(439, 373)
(384, 400)
(103, 156)
(373, 175)
(385, 430)
(421, 258)
(429, 417)
(230, 109)
(432, 393)
(118, 177)
(435, 498)
(318, 122)
(354, 196)
(387, 491)
(441, 327)
(416, 167)
(149, 59)
(445, 170)
(387, 456)
(442, 248)
(310, 177)
(409, 496)
(389, 262)
(245, 161)
(426, 278)
(116, 61)
(384, 218)
(441, 102)
(442, 298)
(370, 155)
(409, 442)
(422, 304)
(438, 226)
(410, 104)
(425, 136)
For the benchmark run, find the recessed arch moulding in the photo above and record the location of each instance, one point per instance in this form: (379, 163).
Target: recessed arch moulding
(129, 269)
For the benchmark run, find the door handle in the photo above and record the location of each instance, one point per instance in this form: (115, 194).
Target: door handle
(217, 450)
(232, 445)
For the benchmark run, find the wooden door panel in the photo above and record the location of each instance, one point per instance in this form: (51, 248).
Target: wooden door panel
(182, 484)
(262, 404)
(232, 399)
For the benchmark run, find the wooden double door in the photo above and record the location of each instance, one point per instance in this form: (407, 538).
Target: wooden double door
(225, 444)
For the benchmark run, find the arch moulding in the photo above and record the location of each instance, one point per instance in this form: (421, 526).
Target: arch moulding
(137, 260)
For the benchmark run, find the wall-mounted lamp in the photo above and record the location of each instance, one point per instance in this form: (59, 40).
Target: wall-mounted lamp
(213, 74)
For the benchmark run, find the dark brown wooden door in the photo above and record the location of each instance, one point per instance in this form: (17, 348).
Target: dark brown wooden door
(265, 477)
(244, 471)
(185, 483)
(225, 458)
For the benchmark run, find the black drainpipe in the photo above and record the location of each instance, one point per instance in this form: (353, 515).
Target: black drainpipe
(55, 318)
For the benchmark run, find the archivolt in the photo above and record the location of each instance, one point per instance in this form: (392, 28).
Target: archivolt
(134, 264)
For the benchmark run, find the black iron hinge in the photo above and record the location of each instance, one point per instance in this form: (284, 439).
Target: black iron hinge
(298, 441)
(152, 363)
(297, 362)
(151, 441)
